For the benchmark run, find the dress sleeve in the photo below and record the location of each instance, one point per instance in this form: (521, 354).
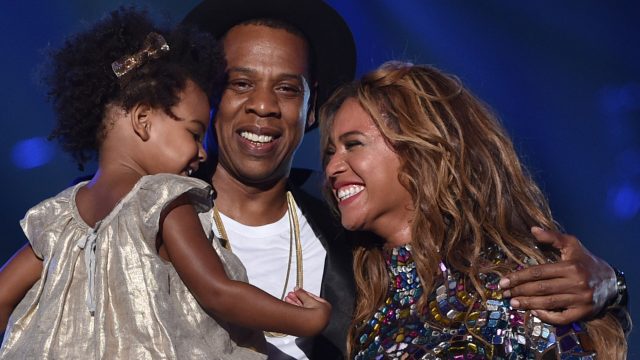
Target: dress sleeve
(157, 192)
(33, 225)
(43, 222)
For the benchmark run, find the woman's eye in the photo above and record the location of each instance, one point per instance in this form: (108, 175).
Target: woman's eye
(329, 152)
(351, 144)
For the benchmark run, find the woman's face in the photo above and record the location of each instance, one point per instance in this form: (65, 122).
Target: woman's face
(362, 170)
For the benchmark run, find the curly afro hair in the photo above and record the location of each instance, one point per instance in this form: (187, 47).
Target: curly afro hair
(81, 82)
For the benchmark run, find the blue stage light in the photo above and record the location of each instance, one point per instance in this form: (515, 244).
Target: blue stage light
(626, 201)
(32, 153)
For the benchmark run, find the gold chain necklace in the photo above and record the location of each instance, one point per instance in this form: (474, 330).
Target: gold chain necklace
(294, 238)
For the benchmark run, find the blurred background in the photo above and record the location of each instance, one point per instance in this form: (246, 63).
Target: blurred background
(564, 77)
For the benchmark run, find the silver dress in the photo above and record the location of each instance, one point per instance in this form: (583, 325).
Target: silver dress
(104, 292)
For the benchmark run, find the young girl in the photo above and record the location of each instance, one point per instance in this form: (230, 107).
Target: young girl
(120, 266)
(427, 172)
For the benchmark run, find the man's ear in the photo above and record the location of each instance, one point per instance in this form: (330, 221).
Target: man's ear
(140, 117)
(313, 100)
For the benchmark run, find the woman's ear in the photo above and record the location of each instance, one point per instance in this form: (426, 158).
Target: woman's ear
(140, 117)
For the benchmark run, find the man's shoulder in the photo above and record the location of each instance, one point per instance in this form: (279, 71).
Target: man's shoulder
(306, 187)
(307, 181)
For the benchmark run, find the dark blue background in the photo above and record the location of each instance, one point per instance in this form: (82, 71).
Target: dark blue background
(563, 76)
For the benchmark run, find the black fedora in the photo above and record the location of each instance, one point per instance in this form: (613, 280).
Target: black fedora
(331, 40)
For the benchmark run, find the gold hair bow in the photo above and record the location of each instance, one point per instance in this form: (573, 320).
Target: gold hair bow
(153, 47)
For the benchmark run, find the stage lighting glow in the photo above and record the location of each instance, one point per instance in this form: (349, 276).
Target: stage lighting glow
(32, 153)
(626, 201)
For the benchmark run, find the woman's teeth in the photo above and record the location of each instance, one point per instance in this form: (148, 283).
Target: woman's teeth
(348, 191)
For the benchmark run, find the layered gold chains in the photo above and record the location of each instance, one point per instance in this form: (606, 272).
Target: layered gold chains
(294, 240)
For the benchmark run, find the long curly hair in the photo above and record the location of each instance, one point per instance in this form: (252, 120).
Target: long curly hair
(81, 82)
(469, 189)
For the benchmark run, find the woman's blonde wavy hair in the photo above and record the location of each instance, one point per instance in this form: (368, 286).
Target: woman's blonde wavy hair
(469, 188)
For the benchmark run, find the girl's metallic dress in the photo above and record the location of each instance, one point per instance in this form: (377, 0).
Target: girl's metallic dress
(491, 330)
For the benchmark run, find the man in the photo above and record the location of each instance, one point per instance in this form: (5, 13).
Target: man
(275, 78)
(283, 60)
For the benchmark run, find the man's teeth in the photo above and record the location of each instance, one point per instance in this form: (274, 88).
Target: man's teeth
(256, 138)
(348, 191)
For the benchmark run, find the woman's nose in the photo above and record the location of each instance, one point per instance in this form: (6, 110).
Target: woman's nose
(335, 165)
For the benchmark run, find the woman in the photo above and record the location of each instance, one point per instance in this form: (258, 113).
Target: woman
(412, 157)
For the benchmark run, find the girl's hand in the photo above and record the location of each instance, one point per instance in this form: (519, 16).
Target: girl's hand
(292, 298)
(307, 300)
(202, 271)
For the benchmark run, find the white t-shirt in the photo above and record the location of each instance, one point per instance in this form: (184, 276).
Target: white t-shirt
(264, 251)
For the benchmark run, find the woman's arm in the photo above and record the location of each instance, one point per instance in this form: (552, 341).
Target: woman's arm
(17, 276)
(200, 268)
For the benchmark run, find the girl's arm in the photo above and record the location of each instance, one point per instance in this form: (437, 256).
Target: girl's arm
(200, 268)
(17, 276)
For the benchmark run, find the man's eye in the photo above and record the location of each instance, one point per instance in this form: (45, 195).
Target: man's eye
(239, 84)
(290, 89)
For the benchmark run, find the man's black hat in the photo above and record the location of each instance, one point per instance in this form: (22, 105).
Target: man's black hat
(331, 40)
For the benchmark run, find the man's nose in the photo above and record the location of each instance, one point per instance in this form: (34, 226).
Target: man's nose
(263, 102)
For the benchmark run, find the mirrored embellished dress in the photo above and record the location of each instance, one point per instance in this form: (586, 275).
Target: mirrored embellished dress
(104, 292)
(493, 330)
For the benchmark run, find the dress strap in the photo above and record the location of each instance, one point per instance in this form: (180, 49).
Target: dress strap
(88, 244)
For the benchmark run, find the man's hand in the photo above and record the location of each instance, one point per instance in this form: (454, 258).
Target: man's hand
(575, 288)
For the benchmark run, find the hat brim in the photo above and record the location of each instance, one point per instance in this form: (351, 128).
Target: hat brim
(330, 38)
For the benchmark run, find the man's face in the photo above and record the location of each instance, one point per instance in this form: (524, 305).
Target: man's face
(261, 117)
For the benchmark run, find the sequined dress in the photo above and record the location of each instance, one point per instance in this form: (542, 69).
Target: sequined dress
(493, 330)
(104, 292)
